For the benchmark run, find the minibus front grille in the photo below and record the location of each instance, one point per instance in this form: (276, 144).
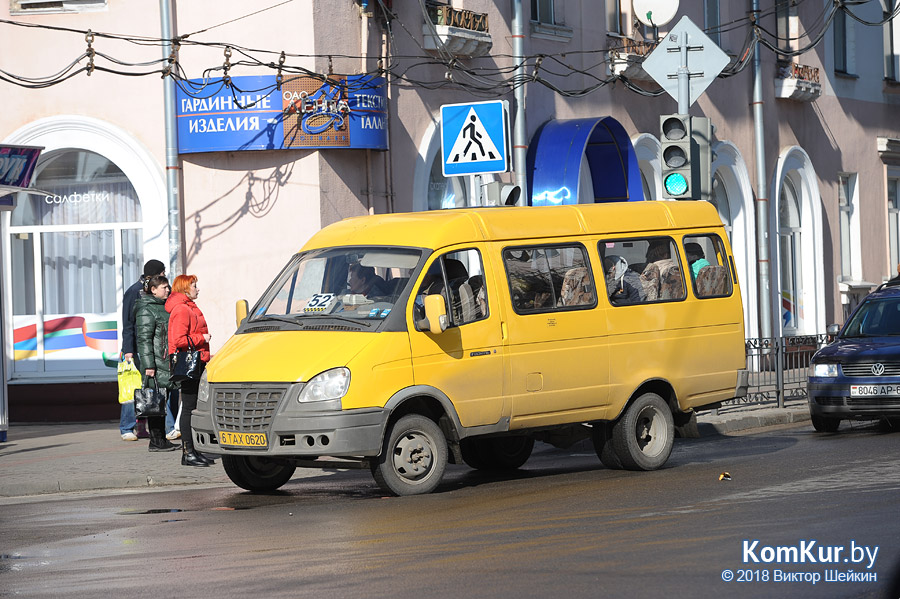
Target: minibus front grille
(245, 410)
(865, 369)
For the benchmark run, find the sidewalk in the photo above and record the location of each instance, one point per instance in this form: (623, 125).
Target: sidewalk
(52, 458)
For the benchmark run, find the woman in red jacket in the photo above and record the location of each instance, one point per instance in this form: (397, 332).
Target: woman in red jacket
(187, 327)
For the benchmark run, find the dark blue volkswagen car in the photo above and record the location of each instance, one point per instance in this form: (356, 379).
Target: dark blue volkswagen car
(857, 376)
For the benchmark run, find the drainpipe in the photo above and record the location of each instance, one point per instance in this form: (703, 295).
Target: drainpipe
(762, 200)
(767, 292)
(520, 147)
(173, 166)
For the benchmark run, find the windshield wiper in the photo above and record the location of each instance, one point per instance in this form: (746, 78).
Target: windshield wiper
(287, 319)
(343, 318)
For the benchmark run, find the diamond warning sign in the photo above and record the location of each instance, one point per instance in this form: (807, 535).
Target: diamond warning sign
(474, 138)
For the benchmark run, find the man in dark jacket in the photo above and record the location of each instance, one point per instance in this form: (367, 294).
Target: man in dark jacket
(129, 343)
(127, 420)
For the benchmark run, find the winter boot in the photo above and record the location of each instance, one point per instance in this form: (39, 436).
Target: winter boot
(203, 457)
(189, 457)
(158, 442)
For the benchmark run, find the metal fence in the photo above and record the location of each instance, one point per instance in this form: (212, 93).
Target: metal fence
(778, 368)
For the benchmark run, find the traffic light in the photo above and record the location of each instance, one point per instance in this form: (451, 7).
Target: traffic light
(701, 134)
(677, 164)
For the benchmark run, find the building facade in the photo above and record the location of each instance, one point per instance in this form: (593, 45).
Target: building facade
(84, 82)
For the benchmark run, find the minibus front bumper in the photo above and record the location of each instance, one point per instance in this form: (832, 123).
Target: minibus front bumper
(247, 420)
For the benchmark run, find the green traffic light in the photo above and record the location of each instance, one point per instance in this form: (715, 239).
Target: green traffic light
(675, 184)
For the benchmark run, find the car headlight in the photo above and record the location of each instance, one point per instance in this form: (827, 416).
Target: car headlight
(331, 384)
(203, 391)
(825, 370)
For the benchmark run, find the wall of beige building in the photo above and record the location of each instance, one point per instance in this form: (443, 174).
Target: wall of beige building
(244, 213)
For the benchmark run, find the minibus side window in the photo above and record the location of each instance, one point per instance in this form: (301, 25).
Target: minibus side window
(459, 277)
(642, 270)
(708, 263)
(549, 278)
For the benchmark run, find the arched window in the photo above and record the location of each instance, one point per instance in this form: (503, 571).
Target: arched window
(790, 252)
(719, 199)
(445, 192)
(71, 245)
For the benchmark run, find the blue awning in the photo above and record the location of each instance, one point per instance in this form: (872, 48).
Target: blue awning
(555, 158)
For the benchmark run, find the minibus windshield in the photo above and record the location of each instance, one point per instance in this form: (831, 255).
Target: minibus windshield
(347, 283)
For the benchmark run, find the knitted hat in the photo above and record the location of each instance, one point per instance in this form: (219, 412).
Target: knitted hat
(154, 267)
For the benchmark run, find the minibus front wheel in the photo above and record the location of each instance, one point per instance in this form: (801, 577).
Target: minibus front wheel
(257, 474)
(414, 457)
(642, 438)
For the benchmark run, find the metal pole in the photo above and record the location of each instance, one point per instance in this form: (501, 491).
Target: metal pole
(172, 163)
(4, 402)
(766, 328)
(684, 76)
(520, 147)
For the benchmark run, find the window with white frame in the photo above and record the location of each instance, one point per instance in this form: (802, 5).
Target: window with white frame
(893, 204)
(889, 9)
(845, 210)
(72, 247)
(711, 20)
(542, 11)
(789, 241)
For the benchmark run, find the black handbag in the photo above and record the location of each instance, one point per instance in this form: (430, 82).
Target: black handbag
(185, 364)
(150, 401)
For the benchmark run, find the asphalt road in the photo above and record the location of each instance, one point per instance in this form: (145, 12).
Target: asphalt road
(563, 526)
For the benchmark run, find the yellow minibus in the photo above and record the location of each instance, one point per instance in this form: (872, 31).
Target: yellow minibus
(404, 342)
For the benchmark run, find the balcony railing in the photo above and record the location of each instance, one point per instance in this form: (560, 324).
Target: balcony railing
(462, 33)
(454, 17)
(797, 82)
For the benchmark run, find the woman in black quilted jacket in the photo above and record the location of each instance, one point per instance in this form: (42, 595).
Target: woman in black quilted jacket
(151, 327)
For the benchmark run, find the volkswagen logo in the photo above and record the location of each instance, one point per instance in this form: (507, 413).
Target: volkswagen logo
(878, 369)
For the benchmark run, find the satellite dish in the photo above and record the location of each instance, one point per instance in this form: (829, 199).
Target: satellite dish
(654, 13)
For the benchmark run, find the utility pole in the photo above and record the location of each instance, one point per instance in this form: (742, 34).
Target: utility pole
(764, 293)
(173, 166)
(520, 148)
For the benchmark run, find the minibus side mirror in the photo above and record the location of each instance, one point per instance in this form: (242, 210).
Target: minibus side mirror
(436, 313)
(240, 311)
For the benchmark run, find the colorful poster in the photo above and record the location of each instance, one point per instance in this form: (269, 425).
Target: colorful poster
(80, 342)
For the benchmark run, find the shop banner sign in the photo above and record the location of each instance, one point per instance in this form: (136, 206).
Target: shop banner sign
(252, 113)
(16, 167)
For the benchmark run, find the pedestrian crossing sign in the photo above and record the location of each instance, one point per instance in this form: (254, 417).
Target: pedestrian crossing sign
(475, 138)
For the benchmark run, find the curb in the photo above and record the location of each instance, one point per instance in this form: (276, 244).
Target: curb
(751, 422)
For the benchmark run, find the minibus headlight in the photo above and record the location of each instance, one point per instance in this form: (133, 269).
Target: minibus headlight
(825, 370)
(203, 391)
(331, 384)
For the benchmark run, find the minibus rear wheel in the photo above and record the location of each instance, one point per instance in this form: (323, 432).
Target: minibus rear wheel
(601, 435)
(642, 438)
(413, 458)
(497, 453)
(256, 474)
